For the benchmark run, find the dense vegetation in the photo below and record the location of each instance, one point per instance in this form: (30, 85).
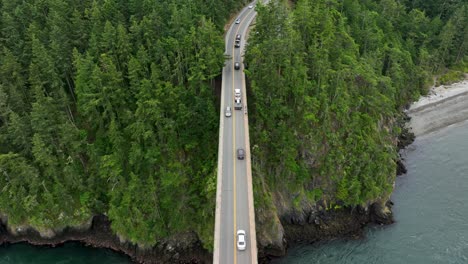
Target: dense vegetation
(108, 107)
(328, 81)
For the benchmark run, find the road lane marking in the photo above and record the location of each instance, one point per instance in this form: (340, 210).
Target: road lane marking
(234, 165)
(234, 144)
(234, 132)
(251, 213)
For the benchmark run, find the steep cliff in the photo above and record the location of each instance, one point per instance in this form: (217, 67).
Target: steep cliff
(328, 81)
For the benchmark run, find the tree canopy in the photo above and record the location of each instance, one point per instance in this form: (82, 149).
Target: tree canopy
(329, 79)
(108, 107)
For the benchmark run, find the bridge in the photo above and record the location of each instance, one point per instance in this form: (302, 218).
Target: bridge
(235, 217)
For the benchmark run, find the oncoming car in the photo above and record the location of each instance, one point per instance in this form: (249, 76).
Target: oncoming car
(228, 111)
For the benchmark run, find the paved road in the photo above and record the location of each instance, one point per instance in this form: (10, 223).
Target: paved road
(234, 204)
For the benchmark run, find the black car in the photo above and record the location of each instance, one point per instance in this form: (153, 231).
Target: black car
(236, 66)
(240, 154)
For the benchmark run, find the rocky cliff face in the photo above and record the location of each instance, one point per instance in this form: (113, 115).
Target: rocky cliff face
(183, 248)
(278, 227)
(308, 225)
(286, 224)
(314, 223)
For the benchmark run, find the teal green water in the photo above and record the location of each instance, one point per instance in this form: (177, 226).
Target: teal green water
(70, 253)
(431, 211)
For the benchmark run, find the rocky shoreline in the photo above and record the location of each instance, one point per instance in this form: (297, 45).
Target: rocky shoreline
(306, 227)
(183, 249)
(441, 107)
(309, 227)
(299, 227)
(317, 224)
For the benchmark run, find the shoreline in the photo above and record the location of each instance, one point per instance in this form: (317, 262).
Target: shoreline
(443, 106)
(183, 248)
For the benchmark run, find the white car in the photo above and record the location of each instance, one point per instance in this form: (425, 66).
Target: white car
(238, 21)
(240, 239)
(250, 6)
(227, 112)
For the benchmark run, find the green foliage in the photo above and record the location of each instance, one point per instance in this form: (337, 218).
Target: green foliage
(450, 77)
(107, 107)
(329, 79)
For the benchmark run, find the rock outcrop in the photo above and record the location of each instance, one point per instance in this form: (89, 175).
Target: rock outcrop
(182, 248)
(317, 223)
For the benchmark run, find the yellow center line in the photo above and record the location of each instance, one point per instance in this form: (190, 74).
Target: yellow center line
(234, 148)
(234, 144)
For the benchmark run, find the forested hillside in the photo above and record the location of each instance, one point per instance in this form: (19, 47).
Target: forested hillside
(328, 82)
(108, 107)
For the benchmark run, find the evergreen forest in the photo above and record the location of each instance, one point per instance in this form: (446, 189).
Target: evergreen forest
(109, 106)
(329, 80)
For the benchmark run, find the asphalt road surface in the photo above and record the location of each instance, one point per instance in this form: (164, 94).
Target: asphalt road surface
(235, 201)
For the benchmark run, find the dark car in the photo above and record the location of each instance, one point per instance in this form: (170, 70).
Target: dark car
(240, 154)
(236, 65)
(238, 37)
(237, 104)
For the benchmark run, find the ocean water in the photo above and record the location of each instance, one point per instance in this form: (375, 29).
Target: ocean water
(70, 253)
(431, 211)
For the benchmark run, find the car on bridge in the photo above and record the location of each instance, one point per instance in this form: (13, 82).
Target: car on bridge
(241, 240)
(237, 41)
(237, 93)
(237, 104)
(240, 153)
(228, 111)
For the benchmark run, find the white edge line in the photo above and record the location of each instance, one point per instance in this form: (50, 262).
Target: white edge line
(252, 231)
(219, 190)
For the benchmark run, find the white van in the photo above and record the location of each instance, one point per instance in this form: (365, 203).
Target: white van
(237, 93)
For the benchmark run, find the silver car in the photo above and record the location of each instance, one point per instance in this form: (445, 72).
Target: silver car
(228, 111)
